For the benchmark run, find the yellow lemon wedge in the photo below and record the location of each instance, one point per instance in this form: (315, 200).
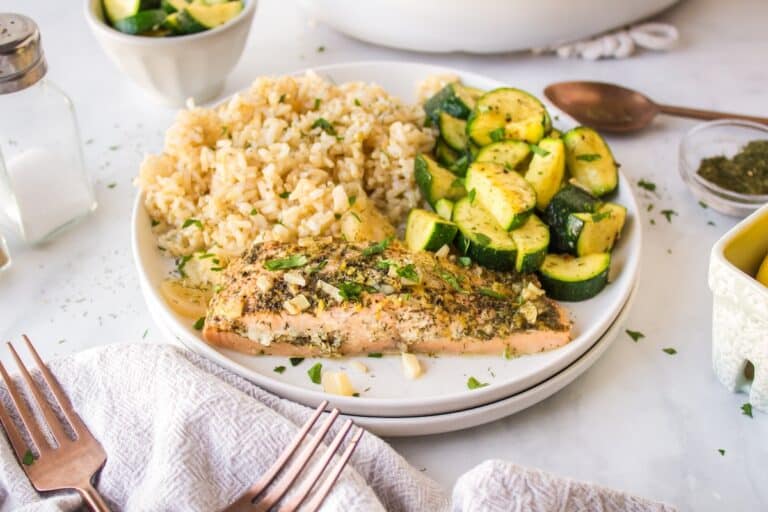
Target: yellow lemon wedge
(762, 274)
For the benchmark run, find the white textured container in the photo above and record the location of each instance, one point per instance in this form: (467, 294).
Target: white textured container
(173, 69)
(740, 311)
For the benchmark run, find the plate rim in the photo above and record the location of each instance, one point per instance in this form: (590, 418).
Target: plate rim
(387, 406)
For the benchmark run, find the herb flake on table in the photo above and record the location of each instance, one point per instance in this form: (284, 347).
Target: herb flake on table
(29, 458)
(635, 335)
(703, 205)
(278, 369)
(746, 409)
(324, 125)
(710, 223)
(320, 49)
(296, 361)
(112, 185)
(668, 214)
(473, 383)
(144, 336)
(293, 261)
(721, 451)
(114, 148)
(192, 222)
(377, 247)
(647, 185)
(199, 323)
(538, 150)
(315, 373)
(588, 157)
(671, 351)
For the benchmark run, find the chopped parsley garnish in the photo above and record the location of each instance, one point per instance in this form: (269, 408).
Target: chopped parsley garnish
(473, 383)
(703, 205)
(488, 292)
(114, 148)
(320, 49)
(458, 182)
(538, 150)
(317, 268)
(465, 261)
(635, 335)
(254, 211)
(315, 373)
(482, 239)
(668, 214)
(669, 351)
(181, 263)
(296, 361)
(496, 135)
(589, 157)
(199, 323)
(597, 217)
(112, 185)
(285, 195)
(279, 369)
(721, 451)
(408, 272)
(507, 352)
(192, 222)
(282, 99)
(647, 185)
(650, 207)
(357, 102)
(384, 264)
(356, 394)
(449, 278)
(349, 290)
(376, 355)
(154, 222)
(352, 200)
(324, 125)
(710, 223)
(471, 195)
(377, 247)
(318, 101)
(29, 458)
(217, 269)
(746, 409)
(206, 255)
(224, 131)
(294, 261)
(143, 336)
(356, 216)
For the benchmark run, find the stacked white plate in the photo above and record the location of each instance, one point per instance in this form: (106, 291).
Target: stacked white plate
(439, 401)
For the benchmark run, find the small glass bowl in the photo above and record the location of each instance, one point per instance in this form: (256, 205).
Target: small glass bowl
(717, 138)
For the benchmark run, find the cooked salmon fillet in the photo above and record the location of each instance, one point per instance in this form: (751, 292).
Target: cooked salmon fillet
(326, 297)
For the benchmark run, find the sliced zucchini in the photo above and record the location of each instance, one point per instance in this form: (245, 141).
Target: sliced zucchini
(172, 23)
(590, 233)
(143, 21)
(427, 231)
(569, 278)
(435, 182)
(451, 159)
(570, 199)
(532, 241)
(171, 6)
(444, 208)
(481, 238)
(504, 193)
(554, 133)
(590, 161)
(508, 113)
(546, 171)
(454, 99)
(508, 153)
(197, 17)
(118, 9)
(453, 131)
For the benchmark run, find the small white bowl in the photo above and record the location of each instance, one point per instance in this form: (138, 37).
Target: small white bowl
(174, 69)
(740, 310)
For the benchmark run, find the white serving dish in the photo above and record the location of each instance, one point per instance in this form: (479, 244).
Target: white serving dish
(443, 387)
(477, 26)
(173, 69)
(740, 308)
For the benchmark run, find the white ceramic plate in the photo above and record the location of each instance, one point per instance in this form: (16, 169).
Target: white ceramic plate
(384, 391)
(478, 26)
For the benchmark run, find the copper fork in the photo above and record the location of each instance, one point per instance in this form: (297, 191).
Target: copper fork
(70, 463)
(255, 499)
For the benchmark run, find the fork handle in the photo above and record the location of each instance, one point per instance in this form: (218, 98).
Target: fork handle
(93, 498)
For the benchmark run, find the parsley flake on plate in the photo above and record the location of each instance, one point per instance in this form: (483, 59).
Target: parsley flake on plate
(181, 263)
(465, 261)
(668, 214)
(588, 157)
(279, 369)
(496, 135)
(721, 451)
(647, 185)
(192, 222)
(324, 125)
(351, 291)
(449, 278)
(746, 409)
(296, 361)
(315, 373)
(538, 150)
(635, 335)
(473, 383)
(491, 293)
(294, 261)
(377, 247)
(198, 325)
(408, 272)
(285, 195)
(671, 351)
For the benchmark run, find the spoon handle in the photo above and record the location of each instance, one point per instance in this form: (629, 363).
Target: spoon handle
(708, 115)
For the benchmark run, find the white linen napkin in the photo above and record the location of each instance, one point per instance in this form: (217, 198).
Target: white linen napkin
(184, 434)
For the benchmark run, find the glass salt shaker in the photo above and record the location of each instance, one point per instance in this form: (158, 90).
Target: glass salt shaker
(43, 184)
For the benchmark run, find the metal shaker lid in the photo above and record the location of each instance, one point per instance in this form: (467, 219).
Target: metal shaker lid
(22, 62)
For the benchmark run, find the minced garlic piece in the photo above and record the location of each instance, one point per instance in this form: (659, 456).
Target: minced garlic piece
(359, 367)
(263, 283)
(411, 366)
(330, 290)
(294, 278)
(296, 305)
(443, 252)
(529, 312)
(337, 383)
(531, 292)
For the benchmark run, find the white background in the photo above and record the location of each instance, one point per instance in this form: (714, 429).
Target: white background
(640, 420)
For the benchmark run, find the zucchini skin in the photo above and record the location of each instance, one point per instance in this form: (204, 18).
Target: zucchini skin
(559, 288)
(454, 161)
(532, 240)
(568, 200)
(427, 174)
(590, 161)
(446, 100)
(485, 255)
(453, 131)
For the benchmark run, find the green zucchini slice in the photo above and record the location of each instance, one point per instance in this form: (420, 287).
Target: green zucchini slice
(508, 153)
(481, 238)
(570, 199)
(454, 99)
(427, 231)
(508, 113)
(171, 6)
(435, 182)
(590, 233)
(453, 131)
(453, 160)
(532, 241)
(590, 161)
(504, 193)
(444, 208)
(197, 17)
(143, 21)
(546, 171)
(569, 278)
(116, 10)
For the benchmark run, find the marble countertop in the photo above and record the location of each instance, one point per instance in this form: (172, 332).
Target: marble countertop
(640, 420)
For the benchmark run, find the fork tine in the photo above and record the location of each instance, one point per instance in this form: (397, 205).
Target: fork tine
(58, 393)
(325, 488)
(49, 416)
(296, 467)
(314, 477)
(17, 442)
(38, 439)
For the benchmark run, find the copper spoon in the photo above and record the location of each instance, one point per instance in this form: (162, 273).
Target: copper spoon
(612, 108)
